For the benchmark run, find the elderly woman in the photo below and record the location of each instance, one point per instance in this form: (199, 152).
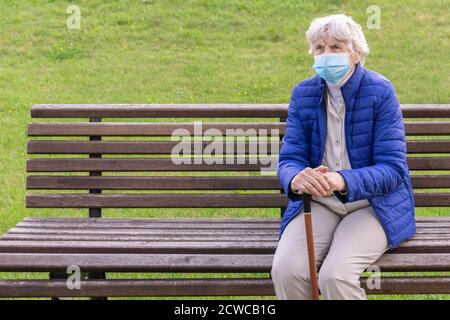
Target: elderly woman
(344, 145)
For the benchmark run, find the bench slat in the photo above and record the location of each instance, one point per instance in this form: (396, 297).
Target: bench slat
(143, 232)
(235, 247)
(142, 129)
(159, 110)
(174, 227)
(204, 287)
(431, 146)
(166, 147)
(241, 220)
(422, 232)
(153, 128)
(156, 147)
(42, 262)
(139, 288)
(177, 225)
(155, 201)
(166, 164)
(272, 236)
(159, 183)
(155, 225)
(188, 200)
(194, 262)
(188, 183)
(175, 220)
(200, 110)
(429, 163)
(422, 223)
(269, 236)
(140, 247)
(431, 181)
(427, 128)
(132, 164)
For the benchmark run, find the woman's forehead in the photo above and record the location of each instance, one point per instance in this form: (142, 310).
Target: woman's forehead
(328, 41)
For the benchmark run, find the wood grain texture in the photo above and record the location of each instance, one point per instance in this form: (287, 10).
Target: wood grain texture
(147, 147)
(193, 262)
(160, 183)
(204, 287)
(187, 183)
(167, 164)
(155, 200)
(211, 200)
(236, 129)
(155, 164)
(240, 246)
(201, 110)
(175, 129)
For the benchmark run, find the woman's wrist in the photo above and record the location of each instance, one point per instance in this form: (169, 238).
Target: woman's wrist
(344, 191)
(342, 184)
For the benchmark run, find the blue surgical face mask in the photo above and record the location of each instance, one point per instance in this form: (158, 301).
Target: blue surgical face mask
(332, 67)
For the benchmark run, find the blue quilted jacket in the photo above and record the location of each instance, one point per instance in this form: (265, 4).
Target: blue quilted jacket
(376, 146)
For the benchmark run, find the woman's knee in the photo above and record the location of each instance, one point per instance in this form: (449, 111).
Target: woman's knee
(328, 278)
(286, 271)
(334, 274)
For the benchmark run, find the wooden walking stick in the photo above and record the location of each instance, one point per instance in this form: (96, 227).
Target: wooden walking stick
(310, 244)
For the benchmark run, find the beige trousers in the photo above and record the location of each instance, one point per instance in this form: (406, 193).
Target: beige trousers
(344, 245)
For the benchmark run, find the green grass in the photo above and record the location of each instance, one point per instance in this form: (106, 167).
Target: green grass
(204, 51)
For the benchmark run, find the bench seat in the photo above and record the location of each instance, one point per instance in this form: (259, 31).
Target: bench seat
(180, 235)
(190, 245)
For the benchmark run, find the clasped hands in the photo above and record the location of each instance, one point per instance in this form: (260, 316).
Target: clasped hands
(318, 182)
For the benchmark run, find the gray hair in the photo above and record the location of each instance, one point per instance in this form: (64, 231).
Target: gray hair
(341, 28)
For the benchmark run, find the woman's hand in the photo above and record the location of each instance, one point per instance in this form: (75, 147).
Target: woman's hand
(312, 181)
(336, 181)
(318, 182)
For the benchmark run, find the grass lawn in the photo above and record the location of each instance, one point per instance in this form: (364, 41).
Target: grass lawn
(181, 51)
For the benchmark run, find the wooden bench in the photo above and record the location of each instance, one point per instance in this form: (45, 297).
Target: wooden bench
(105, 176)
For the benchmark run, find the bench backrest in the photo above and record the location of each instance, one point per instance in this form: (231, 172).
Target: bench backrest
(98, 151)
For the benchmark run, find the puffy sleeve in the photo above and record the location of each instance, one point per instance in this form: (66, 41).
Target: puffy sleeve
(389, 152)
(294, 151)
